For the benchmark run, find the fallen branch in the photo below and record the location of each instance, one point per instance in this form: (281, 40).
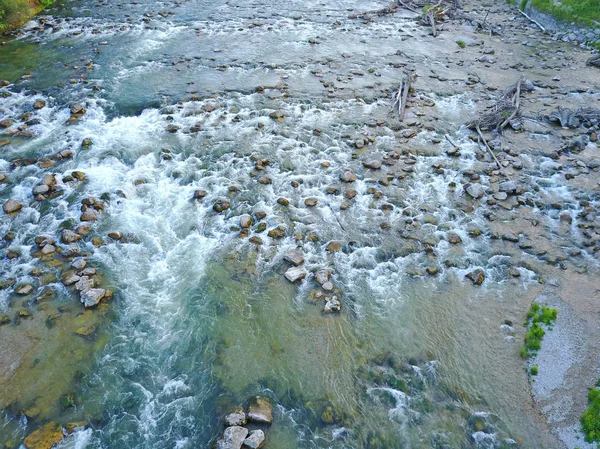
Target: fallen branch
(405, 6)
(534, 21)
(516, 103)
(401, 97)
(490, 151)
(392, 8)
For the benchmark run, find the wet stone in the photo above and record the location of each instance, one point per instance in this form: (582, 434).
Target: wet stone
(45, 437)
(332, 305)
(277, 233)
(91, 297)
(295, 274)
(11, 206)
(237, 418)
(283, 201)
(476, 276)
(221, 205)
(89, 215)
(334, 247)
(322, 276)
(233, 438)
(454, 238)
(25, 289)
(510, 237)
(311, 202)
(245, 221)
(260, 410)
(347, 176)
(255, 440)
(294, 257)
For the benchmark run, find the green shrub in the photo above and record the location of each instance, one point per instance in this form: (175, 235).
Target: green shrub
(461, 44)
(590, 420)
(534, 370)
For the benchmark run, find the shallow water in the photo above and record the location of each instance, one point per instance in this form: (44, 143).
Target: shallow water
(204, 319)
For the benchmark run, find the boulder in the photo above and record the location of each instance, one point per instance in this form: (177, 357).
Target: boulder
(294, 257)
(245, 221)
(39, 104)
(77, 110)
(454, 238)
(510, 237)
(115, 235)
(255, 440)
(237, 418)
(45, 437)
(92, 296)
(373, 164)
(68, 236)
(276, 233)
(510, 187)
(199, 194)
(42, 189)
(79, 264)
(328, 286)
(10, 206)
(260, 410)
(334, 247)
(233, 438)
(295, 274)
(475, 191)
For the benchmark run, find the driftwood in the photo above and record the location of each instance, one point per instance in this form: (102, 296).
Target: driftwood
(568, 118)
(506, 108)
(534, 21)
(390, 9)
(491, 151)
(401, 97)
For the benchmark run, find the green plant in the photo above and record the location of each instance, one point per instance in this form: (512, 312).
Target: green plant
(461, 44)
(590, 420)
(537, 316)
(523, 5)
(534, 370)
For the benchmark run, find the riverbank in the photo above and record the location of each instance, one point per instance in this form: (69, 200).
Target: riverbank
(568, 21)
(14, 13)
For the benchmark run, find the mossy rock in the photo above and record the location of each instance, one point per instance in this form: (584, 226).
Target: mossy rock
(45, 437)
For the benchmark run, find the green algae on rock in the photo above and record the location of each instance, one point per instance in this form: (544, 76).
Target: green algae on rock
(14, 13)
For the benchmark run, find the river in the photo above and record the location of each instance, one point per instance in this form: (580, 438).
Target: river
(265, 105)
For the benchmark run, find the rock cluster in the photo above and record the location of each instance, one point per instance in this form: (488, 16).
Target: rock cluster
(237, 435)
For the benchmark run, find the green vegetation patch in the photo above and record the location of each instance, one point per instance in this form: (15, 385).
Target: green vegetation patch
(537, 316)
(584, 12)
(16, 12)
(590, 420)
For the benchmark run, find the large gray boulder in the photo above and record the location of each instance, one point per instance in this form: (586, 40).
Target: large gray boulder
(233, 438)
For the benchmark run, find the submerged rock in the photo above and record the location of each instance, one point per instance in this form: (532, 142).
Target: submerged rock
(260, 410)
(255, 440)
(233, 438)
(347, 176)
(45, 437)
(221, 205)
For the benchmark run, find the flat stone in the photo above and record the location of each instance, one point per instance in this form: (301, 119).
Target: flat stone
(295, 274)
(48, 249)
(92, 296)
(79, 264)
(260, 410)
(84, 283)
(41, 189)
(328, 286)
(25, 289)
(294, 257)
(233, 438)
(475, 191)
(276, 233)
(115, 235)
(510, 237)
(255, 440)
(373, 164)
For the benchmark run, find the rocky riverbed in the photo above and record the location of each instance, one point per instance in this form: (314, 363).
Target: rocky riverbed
(214, 206)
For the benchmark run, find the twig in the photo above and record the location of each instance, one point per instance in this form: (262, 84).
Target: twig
(405, 6)
(486, 16)
(491, 152)
(432, 21)
(534, 21)
(336, 218)
(517, 103)
(402, 95)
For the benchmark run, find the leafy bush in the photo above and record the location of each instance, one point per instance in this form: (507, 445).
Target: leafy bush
(536, 316)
